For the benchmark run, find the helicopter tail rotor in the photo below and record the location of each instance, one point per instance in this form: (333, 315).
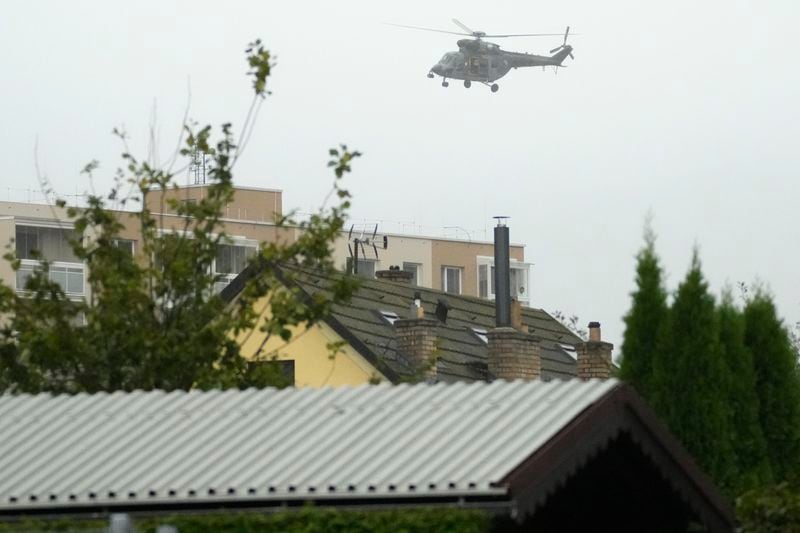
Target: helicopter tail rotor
(564, 46)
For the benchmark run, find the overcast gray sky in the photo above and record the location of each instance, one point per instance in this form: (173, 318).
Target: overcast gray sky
(686, 109)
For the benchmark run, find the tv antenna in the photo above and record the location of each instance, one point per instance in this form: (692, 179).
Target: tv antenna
(363, 241)
(199, 167)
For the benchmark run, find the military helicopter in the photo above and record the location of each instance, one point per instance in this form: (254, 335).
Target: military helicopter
(484, 62)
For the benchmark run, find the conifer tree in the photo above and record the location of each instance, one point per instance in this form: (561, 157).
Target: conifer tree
(777, 384)
(645, 319)
(691, 381)
(749, 446)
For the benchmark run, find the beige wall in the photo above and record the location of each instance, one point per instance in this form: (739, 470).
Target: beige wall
(432, 254)
(39, 212)
(7, 233)
(258, 231)
(464, 254)
(402, 248)
(257, 205)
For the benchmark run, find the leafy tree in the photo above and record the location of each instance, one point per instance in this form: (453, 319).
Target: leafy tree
(692, 383)
(749, 446)
(155, 320)
(774, 509)
(777, 384)
(645, 320)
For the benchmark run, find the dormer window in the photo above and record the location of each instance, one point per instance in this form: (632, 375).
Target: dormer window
(390, 317)
(569, 349)
(481, 334)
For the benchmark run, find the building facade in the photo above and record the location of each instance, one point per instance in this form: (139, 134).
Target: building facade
(461, 267)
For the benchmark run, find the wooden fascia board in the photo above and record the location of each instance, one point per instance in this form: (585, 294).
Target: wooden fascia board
(620, 410)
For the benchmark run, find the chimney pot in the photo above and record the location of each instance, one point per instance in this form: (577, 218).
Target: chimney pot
(516, 316)
(594, 332)
(594, 356)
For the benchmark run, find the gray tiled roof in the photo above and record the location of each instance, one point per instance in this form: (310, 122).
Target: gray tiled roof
(463, 355)
(155, 448)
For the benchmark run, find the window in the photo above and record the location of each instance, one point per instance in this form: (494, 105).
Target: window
(125, 245)
(389, 316)
(569, 349)
(366, 268)
(185, 202)
(232, 259)
(483, 281)
(414, 269)
(69, 278)
(451, 279)
(50, 243)
(481, 334)
(518, 279)
(280, 372)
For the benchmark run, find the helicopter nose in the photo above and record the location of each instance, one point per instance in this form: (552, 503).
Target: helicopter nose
(436, 69)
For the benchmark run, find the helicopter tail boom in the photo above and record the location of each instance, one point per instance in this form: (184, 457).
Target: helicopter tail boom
(561, 55)
(517, 60)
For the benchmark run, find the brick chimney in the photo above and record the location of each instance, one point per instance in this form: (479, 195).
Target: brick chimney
(594, 355)
(513, 352)
(416, 340)
(395, 274)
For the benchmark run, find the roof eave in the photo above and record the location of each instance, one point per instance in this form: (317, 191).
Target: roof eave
(621, 409)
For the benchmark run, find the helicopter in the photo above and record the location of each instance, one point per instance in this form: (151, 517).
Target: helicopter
(485, 62)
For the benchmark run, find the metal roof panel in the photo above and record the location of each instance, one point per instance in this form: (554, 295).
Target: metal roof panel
(372, 440)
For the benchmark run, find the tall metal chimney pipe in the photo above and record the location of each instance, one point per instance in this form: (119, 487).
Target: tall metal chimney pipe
(502, 276)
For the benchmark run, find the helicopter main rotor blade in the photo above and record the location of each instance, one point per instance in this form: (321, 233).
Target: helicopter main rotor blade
(524, 35)
(462, 26)
(427, 29)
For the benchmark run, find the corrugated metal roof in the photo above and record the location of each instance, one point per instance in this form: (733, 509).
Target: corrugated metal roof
(157, 447)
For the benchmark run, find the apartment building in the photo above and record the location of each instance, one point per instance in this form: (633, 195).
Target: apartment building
(455, 266)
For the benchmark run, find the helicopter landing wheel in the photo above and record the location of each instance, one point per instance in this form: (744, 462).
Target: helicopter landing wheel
(430, 75)
(495, 87)
(467, 84)
(445, 84)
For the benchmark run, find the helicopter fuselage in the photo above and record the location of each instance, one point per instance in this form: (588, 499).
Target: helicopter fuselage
(485, 62)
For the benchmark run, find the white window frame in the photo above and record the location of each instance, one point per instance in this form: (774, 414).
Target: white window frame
(34, 263)
(524, 298)
(225, 277)
(232, 240)
(132, 241)
(417, 271)
(460, 271)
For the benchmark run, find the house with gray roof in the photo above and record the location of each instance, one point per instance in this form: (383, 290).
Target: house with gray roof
(456, 330)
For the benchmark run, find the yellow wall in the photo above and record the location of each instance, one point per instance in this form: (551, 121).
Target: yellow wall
(313, 365)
